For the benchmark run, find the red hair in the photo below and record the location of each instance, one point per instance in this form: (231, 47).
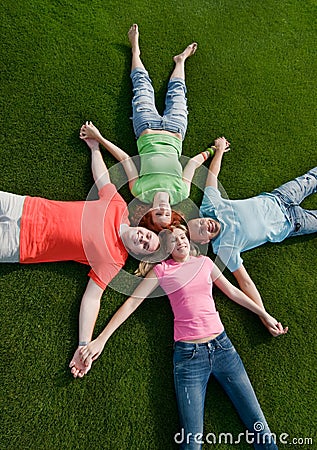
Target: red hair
(142, 217)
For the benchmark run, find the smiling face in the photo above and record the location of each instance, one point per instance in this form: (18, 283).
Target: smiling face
(141, 241)
(180, 245)
(204, 229)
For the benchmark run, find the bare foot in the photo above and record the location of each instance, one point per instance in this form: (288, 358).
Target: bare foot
(133, 36)
(189, 51)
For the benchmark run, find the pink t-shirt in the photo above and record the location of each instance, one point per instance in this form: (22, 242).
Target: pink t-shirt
(188, 286)
(82, 231)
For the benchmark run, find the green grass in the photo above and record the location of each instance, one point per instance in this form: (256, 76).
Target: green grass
(253, 79)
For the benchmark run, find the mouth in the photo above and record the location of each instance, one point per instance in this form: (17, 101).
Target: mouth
(210, 227)
(180, 247)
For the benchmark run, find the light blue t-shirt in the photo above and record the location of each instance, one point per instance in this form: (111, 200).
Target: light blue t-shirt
(245, 224)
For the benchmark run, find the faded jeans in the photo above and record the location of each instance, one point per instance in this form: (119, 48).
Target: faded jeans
(145, 114)
(291, 195)
(193, 366)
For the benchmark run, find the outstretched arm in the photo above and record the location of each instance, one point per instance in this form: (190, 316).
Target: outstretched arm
(221, 146)
(248, 287)
(88, 314)
(192, 165)
(90, 352)
(274, 327)
(89, 131)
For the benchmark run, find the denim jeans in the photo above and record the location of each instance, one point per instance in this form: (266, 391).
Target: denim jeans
(145, 114)
(193, 366)
(291, 195)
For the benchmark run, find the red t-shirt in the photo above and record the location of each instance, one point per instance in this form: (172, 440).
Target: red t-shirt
(82, 231)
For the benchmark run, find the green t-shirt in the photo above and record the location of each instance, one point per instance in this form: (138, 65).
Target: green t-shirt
(160, 168)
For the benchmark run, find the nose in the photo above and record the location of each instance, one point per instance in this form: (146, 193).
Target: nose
(204, 226)
(142, 239)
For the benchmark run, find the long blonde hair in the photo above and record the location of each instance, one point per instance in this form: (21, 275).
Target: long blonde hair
(165, 250)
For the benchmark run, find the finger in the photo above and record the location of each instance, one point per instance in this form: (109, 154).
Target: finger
(95, 357)
(278, 327)
(88, 360)
(74, 372)
(82, 350)
(71, 364)
(84, 353)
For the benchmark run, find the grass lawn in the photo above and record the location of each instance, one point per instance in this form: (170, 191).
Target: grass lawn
(253, 79)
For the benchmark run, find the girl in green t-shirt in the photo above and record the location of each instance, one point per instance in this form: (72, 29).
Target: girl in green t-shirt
(162, 181)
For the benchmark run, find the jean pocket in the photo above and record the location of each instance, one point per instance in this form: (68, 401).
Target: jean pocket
(225, 344)
(182, 355)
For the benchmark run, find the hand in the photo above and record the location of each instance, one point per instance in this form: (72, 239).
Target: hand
(273, 326)
(89, 131)
(91, 352)
(78, 368)
(222, 144)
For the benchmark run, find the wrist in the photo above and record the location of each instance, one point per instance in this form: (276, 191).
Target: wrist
(205, 154)
(83, 343)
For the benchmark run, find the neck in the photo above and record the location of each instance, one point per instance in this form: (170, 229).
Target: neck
(160, 197)
(181, 259)
(123, 230)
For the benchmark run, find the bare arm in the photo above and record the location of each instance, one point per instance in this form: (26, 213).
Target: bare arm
(192, 165)
(88, 130)
(273, 326)
(89, 310)
(221, 146)
(90, 352)
(98, 166)
(248, 287)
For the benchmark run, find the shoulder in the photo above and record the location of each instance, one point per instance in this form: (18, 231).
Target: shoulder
(205, 260)
(211, 191)
(161, 268)
(211, 197)
(109, 192)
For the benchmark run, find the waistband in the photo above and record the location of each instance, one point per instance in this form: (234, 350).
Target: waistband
(222, 335)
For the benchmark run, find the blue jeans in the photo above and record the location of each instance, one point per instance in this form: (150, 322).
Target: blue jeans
(145, 114)
(193, 366)
(291, 195)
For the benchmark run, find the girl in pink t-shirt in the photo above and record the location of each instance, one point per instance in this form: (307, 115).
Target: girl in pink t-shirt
(201, 347)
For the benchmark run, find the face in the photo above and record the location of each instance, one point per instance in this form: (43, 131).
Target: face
(180, 244)
(141, 241)
(203, 230)
(162, 214)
